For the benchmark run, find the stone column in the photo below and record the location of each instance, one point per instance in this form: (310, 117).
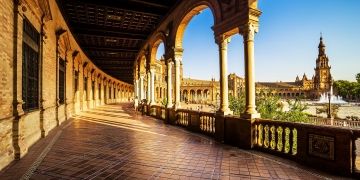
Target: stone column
(152, 86)
(248, 35)
(136, 90)
(169, 85)
(141, 87)
(224, 101)
(178, 58)
(148, 95)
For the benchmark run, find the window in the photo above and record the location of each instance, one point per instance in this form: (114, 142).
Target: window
(93, 89)
(85, 87)
(30, 67)
(61, 81)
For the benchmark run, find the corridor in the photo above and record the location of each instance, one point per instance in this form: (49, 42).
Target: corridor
(113, 142)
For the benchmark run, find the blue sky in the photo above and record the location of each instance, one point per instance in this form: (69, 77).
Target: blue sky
(286, 44)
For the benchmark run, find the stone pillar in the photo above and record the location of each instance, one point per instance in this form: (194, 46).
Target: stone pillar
(19, 144)
(136, 90)
(224, 101)
(248, 35)
(169, 85)
(141, 87)
(88, 94)
(178, 57)
(152, 87)
(148, 95)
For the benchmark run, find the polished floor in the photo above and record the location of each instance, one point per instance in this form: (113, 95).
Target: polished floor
(114, 142)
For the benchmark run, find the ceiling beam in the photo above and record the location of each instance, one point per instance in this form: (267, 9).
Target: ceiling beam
(116, 68)
(115, 60)
(86, 29)
(154, 9)
(119, 35)
(111, 49)
(150, 4)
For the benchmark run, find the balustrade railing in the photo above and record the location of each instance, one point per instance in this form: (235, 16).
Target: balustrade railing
(335, 122)
(329, 146)
(276, 136)
(356, 151)
(183, 118)
(163, 113)
(207, 122)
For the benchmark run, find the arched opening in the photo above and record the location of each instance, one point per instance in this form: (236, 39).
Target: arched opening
(192, 96)
(195, 47)
(158, 63)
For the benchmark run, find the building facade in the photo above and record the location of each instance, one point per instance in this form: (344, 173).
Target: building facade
(301, 88)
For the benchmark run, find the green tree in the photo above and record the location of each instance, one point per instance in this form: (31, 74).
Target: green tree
(270, 107)
(237, 104)
(345, 88)
(296, 112)
(358, 77)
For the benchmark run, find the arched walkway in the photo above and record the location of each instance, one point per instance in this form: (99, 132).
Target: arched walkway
(113, 142)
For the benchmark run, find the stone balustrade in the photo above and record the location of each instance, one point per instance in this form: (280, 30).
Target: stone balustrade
(335, 122)
(330, 148)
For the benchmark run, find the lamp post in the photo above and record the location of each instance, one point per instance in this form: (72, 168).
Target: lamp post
(329, 109)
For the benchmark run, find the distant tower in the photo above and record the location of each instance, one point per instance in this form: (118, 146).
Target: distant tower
(322, 79)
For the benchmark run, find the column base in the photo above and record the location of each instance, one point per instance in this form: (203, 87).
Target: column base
(224, 113)
(177, 105)
(250, 116)
(152, 103)
(169, 106)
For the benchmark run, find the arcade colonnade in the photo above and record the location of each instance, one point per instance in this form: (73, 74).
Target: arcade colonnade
(230, 18)
(196, 95)
(45, 77)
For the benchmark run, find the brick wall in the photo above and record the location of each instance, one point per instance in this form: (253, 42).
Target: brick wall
(18, 129)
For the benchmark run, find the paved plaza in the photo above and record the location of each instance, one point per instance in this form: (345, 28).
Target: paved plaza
(113, 142)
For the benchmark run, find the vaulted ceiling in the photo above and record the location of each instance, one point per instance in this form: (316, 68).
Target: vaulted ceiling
(111, 32)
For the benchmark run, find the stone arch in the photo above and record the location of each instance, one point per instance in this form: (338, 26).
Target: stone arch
(192, 95)
(185, 95)
(193, 8)
(159, 38)
(206, 93)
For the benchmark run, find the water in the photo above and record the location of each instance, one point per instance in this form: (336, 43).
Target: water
(324, 98)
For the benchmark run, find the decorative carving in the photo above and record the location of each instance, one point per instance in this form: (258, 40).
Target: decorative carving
(321, 146)
(248, 31)
(45, 8)
(221, 39)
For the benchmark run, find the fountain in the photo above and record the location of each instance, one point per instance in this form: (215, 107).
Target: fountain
(324, 98)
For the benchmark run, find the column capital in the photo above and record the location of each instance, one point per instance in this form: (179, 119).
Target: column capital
(178, 50)
(177, 59)
(222, 38)
(170, 62)
(248, 31)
